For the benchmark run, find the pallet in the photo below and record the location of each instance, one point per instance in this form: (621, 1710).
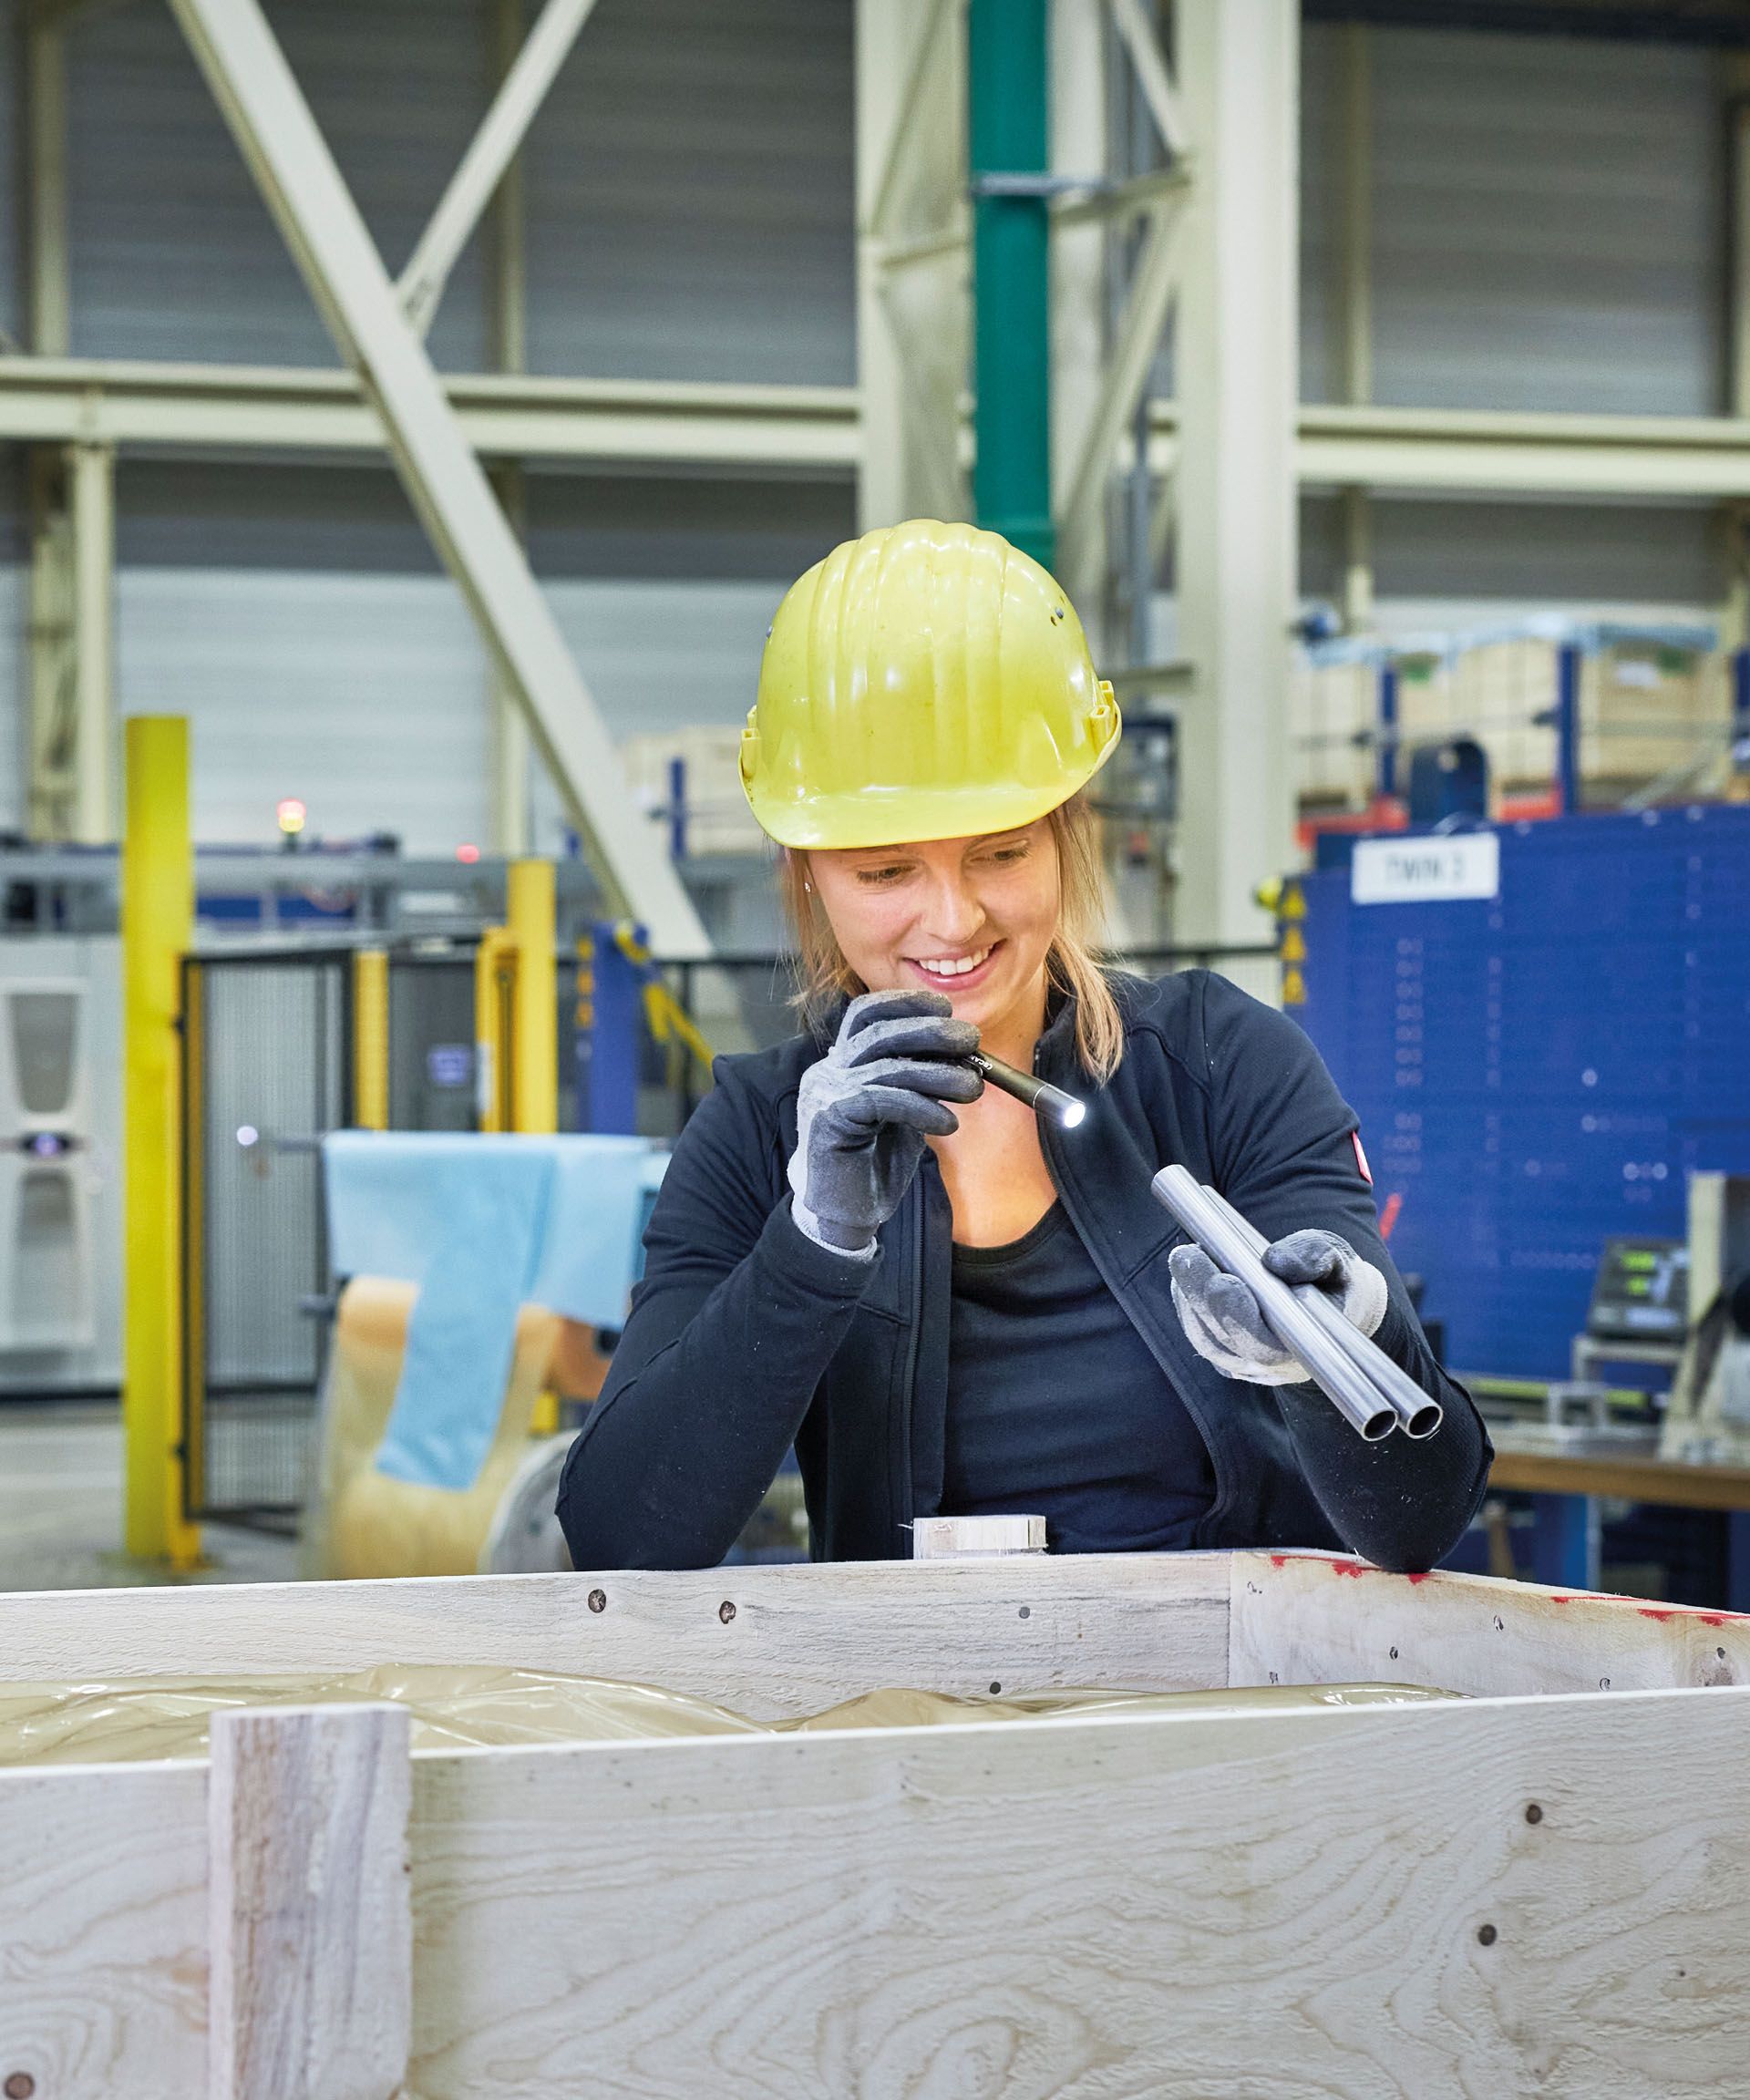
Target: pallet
(1544, 1889)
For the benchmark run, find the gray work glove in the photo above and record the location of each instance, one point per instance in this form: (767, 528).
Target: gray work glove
(863, 1112)
(1221, 1316)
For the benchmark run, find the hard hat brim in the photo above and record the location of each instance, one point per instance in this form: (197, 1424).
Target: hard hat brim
(908, 816)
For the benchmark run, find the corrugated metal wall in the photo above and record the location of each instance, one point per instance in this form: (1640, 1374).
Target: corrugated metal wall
(1546, 220)
(296, 615)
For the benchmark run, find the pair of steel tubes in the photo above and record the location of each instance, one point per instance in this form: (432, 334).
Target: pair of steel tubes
(1371, 1392)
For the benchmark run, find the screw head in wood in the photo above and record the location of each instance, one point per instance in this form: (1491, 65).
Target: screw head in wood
(1486, 1935)
(725, 1610)
(20, 2085)
(598, 1600)
(1533, 1814)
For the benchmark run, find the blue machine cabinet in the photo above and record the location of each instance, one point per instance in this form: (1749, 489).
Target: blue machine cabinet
(1540, 1070)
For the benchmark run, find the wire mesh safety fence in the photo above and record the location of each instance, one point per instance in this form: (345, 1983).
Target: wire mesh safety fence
(267, 1075)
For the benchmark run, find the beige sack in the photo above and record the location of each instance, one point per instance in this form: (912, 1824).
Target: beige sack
(366, 1524)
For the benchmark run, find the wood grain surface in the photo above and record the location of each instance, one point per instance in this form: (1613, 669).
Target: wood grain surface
(771, 1642)
(309, 1922)
(1296, 1904)
(1278, 1906)
(103, 1920)
(1307, 1618)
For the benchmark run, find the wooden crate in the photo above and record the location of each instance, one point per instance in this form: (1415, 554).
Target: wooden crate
(1544, 1889)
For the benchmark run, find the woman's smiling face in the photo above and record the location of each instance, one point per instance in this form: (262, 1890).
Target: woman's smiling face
(974, 917)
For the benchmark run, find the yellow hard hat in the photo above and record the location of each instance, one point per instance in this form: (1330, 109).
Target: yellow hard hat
(927, 680)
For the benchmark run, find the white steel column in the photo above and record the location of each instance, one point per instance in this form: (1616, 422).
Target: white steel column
(881, 79)
(913, 257)
(1238, 74)
(91, 503)
(296, 173)
(1734, 518)
(44, 115)
(1356, 304)
(1078, 147)
(507, 324)
(51, 637)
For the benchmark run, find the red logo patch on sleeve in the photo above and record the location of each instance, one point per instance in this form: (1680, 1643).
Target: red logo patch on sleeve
(1361, 1158)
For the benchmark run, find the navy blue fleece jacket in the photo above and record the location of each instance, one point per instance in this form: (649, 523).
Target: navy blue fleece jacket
(745, 1336)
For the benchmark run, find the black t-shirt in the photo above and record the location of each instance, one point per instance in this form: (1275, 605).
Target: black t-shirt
(1056, 1404)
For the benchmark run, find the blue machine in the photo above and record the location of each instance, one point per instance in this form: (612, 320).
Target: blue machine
(1539, 1070)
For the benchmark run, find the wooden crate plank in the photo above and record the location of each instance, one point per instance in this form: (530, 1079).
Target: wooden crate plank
(1353, 1904)
(103, 1922)
(1319, 1619)
(311, 1927)
(771, 1642)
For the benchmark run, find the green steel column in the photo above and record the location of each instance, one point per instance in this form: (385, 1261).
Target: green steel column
(1008, 131)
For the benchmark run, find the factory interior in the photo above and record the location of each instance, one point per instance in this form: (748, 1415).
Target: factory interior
(413, 416)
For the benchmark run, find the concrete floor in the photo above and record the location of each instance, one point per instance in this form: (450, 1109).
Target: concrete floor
(60, 1511)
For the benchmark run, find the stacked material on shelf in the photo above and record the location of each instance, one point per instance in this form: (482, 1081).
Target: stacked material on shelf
(478, 1707)
(1651, 701)
(711, 811)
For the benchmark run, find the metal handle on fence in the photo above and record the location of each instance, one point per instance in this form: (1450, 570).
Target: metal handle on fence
(1341, 1361)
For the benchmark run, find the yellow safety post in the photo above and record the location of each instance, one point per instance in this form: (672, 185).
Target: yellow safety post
(535, 1033)
(157, 929)
(495, 977)
(371, 1039)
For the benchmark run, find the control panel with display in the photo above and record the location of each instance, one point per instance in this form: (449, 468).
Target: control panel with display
(1641, 1291)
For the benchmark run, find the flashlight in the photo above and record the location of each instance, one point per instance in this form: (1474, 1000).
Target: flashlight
(1039, 1095)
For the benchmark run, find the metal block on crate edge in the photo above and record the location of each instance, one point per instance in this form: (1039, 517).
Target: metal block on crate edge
(976, 1538)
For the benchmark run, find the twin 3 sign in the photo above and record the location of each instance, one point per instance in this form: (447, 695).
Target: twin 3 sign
(1419, 870)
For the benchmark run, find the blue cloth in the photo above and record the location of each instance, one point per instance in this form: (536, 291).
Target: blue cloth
(483, 1225)
(1057, 1406)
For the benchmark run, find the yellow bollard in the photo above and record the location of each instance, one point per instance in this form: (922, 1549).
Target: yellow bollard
(371, 1039)
(157, 929)
(535, 1033)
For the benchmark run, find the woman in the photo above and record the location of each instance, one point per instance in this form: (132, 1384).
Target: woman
(944, 1302)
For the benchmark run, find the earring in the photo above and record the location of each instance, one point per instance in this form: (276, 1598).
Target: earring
(808, 888)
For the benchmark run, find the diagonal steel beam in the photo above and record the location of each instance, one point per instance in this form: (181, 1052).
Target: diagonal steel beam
(286, 154)
(493, 147)
(1152, 76)
(1150, 296)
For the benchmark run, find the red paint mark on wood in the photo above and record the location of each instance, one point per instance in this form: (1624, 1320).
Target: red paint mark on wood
(1658, 1618)
(1419, 1578)
(1561, 1600)
(1355, 1568)
(1278, 1559)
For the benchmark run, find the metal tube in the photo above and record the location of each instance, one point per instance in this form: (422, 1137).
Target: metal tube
(1418, 1414)
(1332, 1369)
(1039, 1095)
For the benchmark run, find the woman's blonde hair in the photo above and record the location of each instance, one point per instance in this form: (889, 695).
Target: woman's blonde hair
(1071, 967)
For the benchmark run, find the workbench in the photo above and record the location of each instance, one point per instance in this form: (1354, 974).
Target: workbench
(1568, 1485)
